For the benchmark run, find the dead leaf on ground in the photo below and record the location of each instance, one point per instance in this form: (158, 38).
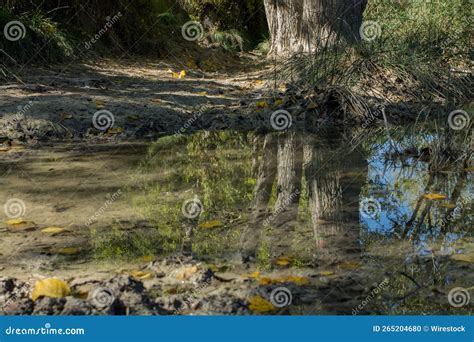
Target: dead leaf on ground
(447, 205)
(68, 250)
(141, 275)
(99, 104)
(253, 275)
(260, 305)
(283, 261)
(210, 224)
(350, 265)
(115, 130)
(186, 273)
(434, 196)
(298, 280)
(16, 221)
(20, 225)
(51, 287)
(54, 230)
(178, 75)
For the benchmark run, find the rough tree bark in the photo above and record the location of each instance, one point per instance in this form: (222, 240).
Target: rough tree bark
(306, 25)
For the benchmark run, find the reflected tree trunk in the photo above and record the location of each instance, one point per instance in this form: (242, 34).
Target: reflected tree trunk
(266, 174)
(334, 180)
(290, 170)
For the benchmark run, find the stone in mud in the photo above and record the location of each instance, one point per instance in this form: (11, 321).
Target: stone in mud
(76, 306)
(6, 285)
(49, 306)
(17, 306)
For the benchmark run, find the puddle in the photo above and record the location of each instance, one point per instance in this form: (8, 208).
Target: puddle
(381, 227)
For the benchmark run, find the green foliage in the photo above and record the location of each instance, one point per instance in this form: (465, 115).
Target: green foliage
(224, 20)
(117, 244)
(43, 38)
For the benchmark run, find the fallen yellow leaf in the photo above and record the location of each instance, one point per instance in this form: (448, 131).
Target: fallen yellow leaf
(350, 265)
(260, 305)
(181, 74)
(259, 82)
(312, 105)
(140, 275)
(283, 261)
(298, 280)
(278, 102)
(326, 273)
(434, 197)
(115, 130)
(99, 104)
(148, 258)
(186, 273)
(261, 104)
(21, 226)
(54, 230)
(266, 281)
(210, 224)
(51, 287)
(447, 205)
(68, 250)
(253, 275)
(15, 221)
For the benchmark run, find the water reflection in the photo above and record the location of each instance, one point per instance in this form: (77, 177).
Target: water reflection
(383, 209)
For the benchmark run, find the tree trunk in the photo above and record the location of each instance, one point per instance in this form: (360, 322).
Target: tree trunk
(307, 25)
